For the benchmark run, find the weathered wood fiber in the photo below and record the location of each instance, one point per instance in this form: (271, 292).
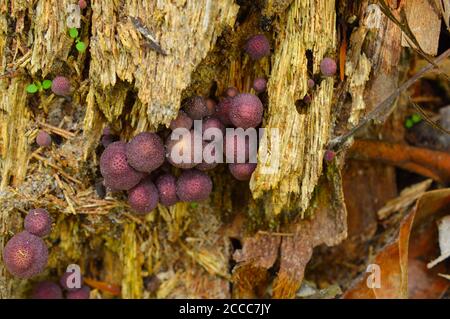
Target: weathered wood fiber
(307, 25)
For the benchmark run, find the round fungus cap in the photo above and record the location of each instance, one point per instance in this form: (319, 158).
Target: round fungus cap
(38, 222)
(47, 290)
(246, 111)
(257, 46)
(143, 198)
(167, 189)
(193, 185)
(145, 152)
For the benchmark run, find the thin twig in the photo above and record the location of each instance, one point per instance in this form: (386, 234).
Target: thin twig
(385, 107)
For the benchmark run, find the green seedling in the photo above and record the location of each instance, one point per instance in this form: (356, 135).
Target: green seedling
(79, 45)
(38, 86)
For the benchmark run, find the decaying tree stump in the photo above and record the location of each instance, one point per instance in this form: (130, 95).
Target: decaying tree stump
(122, 83)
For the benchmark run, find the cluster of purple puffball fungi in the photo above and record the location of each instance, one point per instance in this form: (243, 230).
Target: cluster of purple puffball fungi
(138, 166)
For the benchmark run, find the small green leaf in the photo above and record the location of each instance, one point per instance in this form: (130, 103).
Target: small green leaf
(409, 123)
(194, 205)
(32, 88)
(416, 118)
(80, 46)
(73, 32)
(46, 84)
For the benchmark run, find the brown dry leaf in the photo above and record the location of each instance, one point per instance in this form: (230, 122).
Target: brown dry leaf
(393, 257)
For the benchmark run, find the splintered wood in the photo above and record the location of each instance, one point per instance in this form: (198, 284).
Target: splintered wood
(307, 25)
(185, 30)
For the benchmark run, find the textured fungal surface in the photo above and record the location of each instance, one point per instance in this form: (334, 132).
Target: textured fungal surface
(81, 293)
(145, 152)
(38, 222)
(242, 171)
(328, 67)
(246, 111)
(43, 139)
(25, 255)
(223, 110)
(167, 189)
(257, 46)
(144, 197)
(115, 169)
(196, 108)
(260, 85)
(47, 290)
(193, 185)
(61, 86)
(182, 120)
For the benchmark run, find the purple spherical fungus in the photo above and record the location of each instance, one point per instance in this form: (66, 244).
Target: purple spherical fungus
(211, 123)
(47, 290)
(246, 111)
(143, 198)
(82, 4)
(257, 47)
(242, 171)
(181, 152)
(38, 222)
(329, 155)
(145, 152)
(260, 85)
(196, 107)
(311, 83)
(238, 148)
(118, 174)
(193, 185)
(106, 140)
(25, 255)
(223, 110)
(61, 86)
(182, 120)
(82, 293)
(69, 282)
(210, 150)
(328, 67)
(231, 91)
(167, 189)
(43, 139)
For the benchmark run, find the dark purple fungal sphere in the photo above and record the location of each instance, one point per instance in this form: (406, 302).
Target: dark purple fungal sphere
(167, 189)
(182, 120)
(329, 155)
(61, 86)
(257, 47)
(43, 139)
(177, 150)
(118, 174)
(38, 222)
(223, 110)
(145, 152)
(143, 198)
(260, 85)
(242, 171)
(196, 108)
(67, 280)
(231, 91)
(82, 293)
(193, 186)
(328, 67)
(246, 111)
(47, 290)
(25, 255)
(311, 83)
(238, 147)
(213, 122)
(106, 140)
(82, 4)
